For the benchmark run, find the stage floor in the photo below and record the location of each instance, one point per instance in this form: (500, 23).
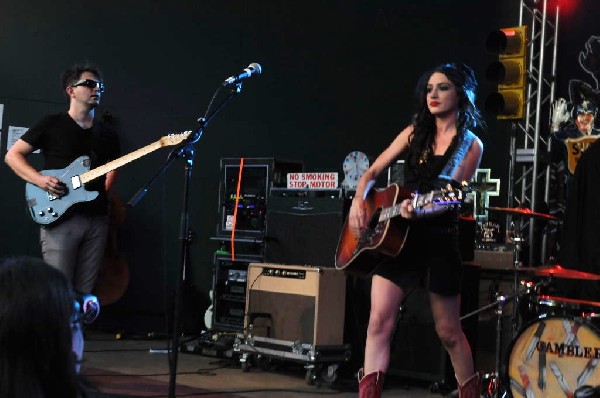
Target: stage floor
(130, 366)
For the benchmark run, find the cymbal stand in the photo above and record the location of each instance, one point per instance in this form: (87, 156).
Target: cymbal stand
(493, 386)
(518, 241)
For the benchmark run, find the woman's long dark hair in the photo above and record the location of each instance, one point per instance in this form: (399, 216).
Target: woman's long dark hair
(469, 116)
(36, 310)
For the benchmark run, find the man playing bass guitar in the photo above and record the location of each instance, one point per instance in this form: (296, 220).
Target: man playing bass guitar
(440, 148)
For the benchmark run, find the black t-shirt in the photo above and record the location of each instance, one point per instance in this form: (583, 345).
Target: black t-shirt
(62, 140)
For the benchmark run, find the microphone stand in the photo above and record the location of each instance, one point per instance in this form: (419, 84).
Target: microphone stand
(186, 152)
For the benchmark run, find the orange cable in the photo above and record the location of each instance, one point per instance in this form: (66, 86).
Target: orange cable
(235, 209)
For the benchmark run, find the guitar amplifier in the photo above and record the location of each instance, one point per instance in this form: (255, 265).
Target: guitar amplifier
(296, 303)
(395, 173)
(495, 255)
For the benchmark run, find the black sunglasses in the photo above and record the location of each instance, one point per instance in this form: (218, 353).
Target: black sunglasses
(89, 83)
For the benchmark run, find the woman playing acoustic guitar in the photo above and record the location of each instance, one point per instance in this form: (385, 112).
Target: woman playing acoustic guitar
(440, 148)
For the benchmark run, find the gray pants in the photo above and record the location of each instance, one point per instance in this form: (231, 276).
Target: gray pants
(76, 246)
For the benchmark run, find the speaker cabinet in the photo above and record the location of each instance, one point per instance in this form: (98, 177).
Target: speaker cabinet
(303, 229)
(466, 237)
(296, 303)
(395, 173)
(495, 282)
(416, 351)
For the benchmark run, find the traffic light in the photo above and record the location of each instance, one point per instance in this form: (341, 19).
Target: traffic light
(509, 72)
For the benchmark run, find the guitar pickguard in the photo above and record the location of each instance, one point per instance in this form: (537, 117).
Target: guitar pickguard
(46, 208)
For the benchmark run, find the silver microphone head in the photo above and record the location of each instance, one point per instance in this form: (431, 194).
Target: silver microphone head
(255, 68)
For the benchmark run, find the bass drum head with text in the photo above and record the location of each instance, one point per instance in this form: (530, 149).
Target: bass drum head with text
(553, 357)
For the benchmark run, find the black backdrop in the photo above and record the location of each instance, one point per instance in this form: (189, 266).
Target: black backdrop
(337, 77)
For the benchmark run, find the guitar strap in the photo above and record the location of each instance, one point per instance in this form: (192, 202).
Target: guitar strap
(94, 145)
(459, 154)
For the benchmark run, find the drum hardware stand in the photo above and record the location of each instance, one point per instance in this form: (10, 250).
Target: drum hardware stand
(492, 387)
(518, 241)
(494, 382)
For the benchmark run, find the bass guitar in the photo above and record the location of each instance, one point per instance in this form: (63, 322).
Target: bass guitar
(46, 208)
(113, 276)
(386, 233)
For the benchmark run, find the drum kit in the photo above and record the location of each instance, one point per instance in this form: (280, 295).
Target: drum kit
(556, 350)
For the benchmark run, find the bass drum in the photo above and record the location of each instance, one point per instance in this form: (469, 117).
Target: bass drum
(553, 357)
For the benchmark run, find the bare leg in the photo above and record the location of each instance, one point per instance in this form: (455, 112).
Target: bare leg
(446, 315)
(385, 302)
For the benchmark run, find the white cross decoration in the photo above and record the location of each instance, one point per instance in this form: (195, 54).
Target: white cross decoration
(483, 187)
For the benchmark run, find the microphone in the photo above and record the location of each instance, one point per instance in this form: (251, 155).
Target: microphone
(252, 69)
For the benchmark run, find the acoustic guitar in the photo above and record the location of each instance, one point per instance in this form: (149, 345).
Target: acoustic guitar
(386, 233)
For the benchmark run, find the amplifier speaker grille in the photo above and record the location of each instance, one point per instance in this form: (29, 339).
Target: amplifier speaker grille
(416, 350)
(308, 309)
(303, 230)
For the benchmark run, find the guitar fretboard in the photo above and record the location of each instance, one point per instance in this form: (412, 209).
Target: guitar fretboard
(173, 139)
(442, 197)
(115, 164)
(389, 212)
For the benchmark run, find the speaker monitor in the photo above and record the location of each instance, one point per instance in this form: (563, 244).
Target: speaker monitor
(296, 303)
(303, 229)
(416, 350)
(492, 283)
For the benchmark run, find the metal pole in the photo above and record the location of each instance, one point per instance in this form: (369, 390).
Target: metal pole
(533, 243)
(549, 142)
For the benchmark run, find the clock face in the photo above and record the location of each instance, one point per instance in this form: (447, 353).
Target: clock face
(355, 165)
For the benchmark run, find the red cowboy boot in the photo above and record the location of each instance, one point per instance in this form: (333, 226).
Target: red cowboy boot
(471, 388)
(370, 386)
